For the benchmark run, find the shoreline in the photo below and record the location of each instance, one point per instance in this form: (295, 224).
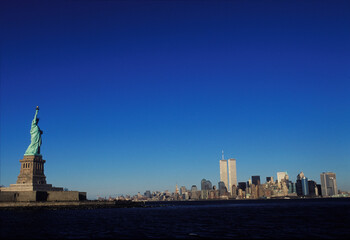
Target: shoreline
(89, 204)
(94, 204)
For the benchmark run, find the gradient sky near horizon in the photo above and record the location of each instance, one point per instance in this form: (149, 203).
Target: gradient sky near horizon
(144, 95)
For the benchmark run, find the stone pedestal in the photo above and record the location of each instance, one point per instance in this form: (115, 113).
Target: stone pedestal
(31, 176)
(31, 185)
(32, 170)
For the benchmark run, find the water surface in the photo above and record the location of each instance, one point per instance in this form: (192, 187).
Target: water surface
(297, 219)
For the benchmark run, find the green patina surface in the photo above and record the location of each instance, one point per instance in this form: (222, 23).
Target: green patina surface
(35, 132)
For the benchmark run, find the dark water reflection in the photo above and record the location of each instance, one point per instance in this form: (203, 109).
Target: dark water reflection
(323, 218)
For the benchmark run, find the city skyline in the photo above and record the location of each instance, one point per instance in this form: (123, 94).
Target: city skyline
(251, 189)
(139, 96)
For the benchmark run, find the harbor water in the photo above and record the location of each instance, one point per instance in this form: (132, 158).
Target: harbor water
(273, 219)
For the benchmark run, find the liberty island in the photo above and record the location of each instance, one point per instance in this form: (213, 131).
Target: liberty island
(31, 182)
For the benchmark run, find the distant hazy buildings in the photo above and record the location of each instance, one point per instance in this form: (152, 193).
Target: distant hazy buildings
(328, 184)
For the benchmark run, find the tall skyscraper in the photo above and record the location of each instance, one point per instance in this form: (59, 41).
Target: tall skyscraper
(206, 185)
(312, 188)
(194, 188)
(232, 173)
(256, 180)
(222, 189)
(228, 172)
(298, 184)
(292, 188)
(281, 176)
(182, 190)
(203, 186)
(242, 185)
(305, 186)
(298, 187)
(147, 194)
(223, 173)
(194, 194)
(328, 184)
(249, 182)
(222, 186)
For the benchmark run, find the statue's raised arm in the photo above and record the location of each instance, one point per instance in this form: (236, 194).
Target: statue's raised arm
(35, 133)
(36, 113)
(35, 119)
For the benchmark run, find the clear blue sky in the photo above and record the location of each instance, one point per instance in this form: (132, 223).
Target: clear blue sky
(138, 95)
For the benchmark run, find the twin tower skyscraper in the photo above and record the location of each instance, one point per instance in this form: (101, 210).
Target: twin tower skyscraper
(228, 172)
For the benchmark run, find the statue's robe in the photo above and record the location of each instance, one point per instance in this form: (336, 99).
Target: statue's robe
(34, 147)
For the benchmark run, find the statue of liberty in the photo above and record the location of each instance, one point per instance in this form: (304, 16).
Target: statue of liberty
(35, 133)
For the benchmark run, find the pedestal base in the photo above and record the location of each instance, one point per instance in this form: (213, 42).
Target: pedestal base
(8, 195)
(30, 187)
(32, 170)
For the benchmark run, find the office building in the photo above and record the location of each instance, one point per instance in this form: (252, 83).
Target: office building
(182, 190)
(298, 184)
(194, 188)
(282, 176)
(204, 194)
(256, 180)
(223, 173)
(312, 188)
(242, 185)
(255, 191)
(298, 187)
(222, 188)
(232, 173)
(291, 188)
(176, 189)
(305, 186)
(300, 176)
(269, 179)
(228, 172)
(328, 184)
(194, 192)
(147, 194)
(209, 186)
(319, 189)
(234, 191)
(185, 196)
(206, 185)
